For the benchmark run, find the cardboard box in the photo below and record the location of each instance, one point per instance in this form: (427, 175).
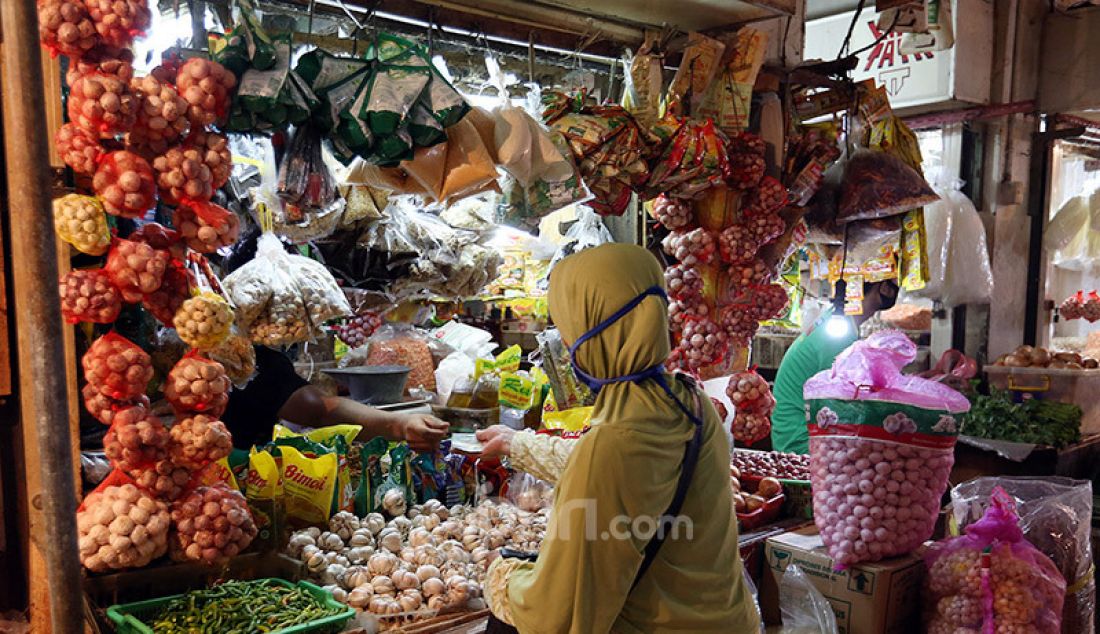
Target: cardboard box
(876, 598)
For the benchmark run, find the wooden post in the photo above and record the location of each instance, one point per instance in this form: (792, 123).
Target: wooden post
(43, 384)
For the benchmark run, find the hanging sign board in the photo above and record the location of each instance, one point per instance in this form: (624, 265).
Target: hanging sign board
(921, 81)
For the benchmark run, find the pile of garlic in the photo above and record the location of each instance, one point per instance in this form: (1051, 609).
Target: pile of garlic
(430, 559)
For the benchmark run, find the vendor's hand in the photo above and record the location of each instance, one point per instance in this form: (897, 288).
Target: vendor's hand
(496, 440)
(424, 431)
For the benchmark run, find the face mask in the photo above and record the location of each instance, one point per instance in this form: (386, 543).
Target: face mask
(594, 383)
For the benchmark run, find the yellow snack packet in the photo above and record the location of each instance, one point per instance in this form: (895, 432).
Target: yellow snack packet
(308, 486)
(576, 419)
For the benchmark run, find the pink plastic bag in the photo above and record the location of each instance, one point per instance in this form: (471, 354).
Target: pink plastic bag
(881, 450)
(991, 579)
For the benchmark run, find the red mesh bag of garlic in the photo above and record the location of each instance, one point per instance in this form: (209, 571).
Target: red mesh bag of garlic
(109, 411)
(164, 479)
(215, 154)
(197, 384)
(160, 237)
(683, 281)
(89, 296)
(119, 21)
(135, 445)
(881, 449)
(768, 197)
(205, 226)
(108, 60)
(102, 104)
(120, 526)
(126, 184)
(117, 367)
(702, 343)
(737, 244)
(199, 440)
(991, 579)
(174, 290)
(739, 324)
(212, 524)
(690, 306)
(206, 86)
(162, 118)
(79, 149)
(182, 174)
(65, 27)
(136, 268)
(691, 248)
(753, 399)
(672, 213)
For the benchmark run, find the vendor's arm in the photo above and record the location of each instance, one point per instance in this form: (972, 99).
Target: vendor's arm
(541, 455)
(310, 406)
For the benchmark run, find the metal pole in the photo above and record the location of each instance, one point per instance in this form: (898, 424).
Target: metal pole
(43, 389)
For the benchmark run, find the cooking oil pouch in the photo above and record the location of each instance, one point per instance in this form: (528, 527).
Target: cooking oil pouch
(371, 476)
(343, 498)
(322, 435)
(238, 464)
(264, 492)
(516, 390)
(575, 419)
(308, 486)
(218, 472)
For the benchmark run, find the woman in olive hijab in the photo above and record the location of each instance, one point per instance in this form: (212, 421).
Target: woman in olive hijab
(656, 448)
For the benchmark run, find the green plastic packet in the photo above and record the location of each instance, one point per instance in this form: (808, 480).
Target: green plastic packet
(401, 75)
(443, 101)
(424, 128)
(390, 149)
(259, 90)
(335, 81)
(371, 477)
(231, 51)
(261, 49)
(351, 129)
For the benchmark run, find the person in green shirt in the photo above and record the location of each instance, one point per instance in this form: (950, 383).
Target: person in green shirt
(811, 353)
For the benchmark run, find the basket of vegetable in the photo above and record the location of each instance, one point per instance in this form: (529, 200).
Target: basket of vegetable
(264, 605)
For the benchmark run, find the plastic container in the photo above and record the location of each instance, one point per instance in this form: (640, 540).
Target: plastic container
(373, 384)
(800, 498)
(1079, 387)
(127, 617)
(771, 511)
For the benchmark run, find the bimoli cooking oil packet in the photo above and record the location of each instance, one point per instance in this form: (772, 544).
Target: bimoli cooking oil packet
(263, 488)
(308, 486)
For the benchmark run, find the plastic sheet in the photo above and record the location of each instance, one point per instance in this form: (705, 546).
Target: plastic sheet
(1055, 515)
(959, 270)
(991, 579)
(1072, 235)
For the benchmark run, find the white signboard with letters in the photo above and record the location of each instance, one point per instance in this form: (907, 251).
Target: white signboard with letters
(920, 81)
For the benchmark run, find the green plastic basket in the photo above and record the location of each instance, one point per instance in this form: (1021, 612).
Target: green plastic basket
(127, 618)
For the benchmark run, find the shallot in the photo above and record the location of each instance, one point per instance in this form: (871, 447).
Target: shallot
(125, 183)
(65, 27)
(691, 248)
(212, 524)
(89, 296)
(119, 21)
(199, 440)
(117, 367)
(79, 148)
(102, 105)
(672, 213)
(206, 86)
(197, 384)
(135, 268)
(162, 118)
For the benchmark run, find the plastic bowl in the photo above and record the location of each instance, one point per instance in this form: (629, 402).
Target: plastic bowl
(373, 384)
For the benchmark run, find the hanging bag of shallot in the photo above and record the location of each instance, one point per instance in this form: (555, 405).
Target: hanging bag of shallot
(881, 449)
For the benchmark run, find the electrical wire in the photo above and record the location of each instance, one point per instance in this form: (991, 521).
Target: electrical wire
(851, 29)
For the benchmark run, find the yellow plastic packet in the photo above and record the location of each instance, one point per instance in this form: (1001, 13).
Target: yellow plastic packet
(576, 419)
(264, 491)
(321, 435)
(218, 473)
(516, 391)
(308, 486)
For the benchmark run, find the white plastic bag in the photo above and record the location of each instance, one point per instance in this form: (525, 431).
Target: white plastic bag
(1073, 233)
(805, 610)
(958, 255)
(456, 367)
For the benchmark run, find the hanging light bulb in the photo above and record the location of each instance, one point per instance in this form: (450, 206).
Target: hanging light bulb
(838, 325)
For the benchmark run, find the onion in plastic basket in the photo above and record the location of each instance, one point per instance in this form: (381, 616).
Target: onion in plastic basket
(79, 149)
(102, 104)
(119, 21)
(197, 384)
(206, 227)
(881, 450)
(136, 268)
(117, 367)
(199, 440)
(89, 296)
(125, 183)
(212, 524)
(204, 321)
(161, 118)
(206, 86)
(120, 526)
(108, 410)
(991, 579)
(132, 445)
(81, 221)
(175, 289)
(65, 27)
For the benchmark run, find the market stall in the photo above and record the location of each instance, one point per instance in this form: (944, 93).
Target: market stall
(375, 203)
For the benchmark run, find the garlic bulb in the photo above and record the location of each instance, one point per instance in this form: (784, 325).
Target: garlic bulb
(420, 537)
(410, 600)
(437, 602)
(394, 503)
(429, 521)
(479, 555)
(433, 587)
(374, 522)
(338, 593)
(383, 585)
(379, 605)
(390, 541)
(317, 563)
(361, 537)
(361, 596)
(404, 580)
(343, 524)
(407, 554)
(360, 554)
(426, 571)
(307, 552)
(428, 556)
(382, 563)
(402, 524)
(356, 576)
(330, 542)
(313, 532)
(333, 574)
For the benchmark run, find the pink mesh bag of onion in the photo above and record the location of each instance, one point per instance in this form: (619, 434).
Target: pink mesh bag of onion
(881, 449)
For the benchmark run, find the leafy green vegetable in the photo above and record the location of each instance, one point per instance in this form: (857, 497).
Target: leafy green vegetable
(1034, 421)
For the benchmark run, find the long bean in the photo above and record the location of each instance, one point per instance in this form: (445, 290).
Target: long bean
(239, 607)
